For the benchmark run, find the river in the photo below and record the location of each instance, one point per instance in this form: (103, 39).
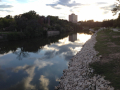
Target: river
(37, 64)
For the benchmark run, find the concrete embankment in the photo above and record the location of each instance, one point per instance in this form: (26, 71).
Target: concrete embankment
(79, 76)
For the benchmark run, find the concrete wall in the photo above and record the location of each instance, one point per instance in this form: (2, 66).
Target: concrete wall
(52, 33)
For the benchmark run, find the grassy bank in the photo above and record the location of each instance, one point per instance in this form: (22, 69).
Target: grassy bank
(108, 45)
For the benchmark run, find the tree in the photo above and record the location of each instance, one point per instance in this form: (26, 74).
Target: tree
(116, 8)
(8, 17)
(29, 15)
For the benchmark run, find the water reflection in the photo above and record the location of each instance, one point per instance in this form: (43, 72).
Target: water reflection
(73, 37)
(25, 84)
(3, 75)
(36, 64)
(21, 53)
(44, 82)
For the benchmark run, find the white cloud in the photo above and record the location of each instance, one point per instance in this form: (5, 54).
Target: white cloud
(84, 10)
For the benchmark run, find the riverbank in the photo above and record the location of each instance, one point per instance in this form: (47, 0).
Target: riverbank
(108, 45)
(79, 76)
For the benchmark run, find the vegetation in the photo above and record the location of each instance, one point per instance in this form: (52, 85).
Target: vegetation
(115, 23)
(108, 45)
(90, 24)
(31, 25)
(116, 7)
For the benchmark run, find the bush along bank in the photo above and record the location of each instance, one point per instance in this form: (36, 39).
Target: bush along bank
(79, 76)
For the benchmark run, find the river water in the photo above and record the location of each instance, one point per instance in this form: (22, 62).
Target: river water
(37, 64)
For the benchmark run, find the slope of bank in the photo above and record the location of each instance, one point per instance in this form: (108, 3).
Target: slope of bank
(108, 45)
(79, 76)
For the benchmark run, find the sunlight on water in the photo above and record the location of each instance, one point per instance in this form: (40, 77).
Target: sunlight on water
(83, 37)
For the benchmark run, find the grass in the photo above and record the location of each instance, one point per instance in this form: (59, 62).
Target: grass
(96, 28)
(108, 44)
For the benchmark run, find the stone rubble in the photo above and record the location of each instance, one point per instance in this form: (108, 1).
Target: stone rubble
(79, 76)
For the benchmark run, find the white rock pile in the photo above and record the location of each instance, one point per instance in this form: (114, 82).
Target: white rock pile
(79, 76)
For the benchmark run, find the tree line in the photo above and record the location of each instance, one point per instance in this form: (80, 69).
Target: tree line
(30, 24)
(105, 23)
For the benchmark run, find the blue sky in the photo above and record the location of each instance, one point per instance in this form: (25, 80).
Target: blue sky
(97, 10)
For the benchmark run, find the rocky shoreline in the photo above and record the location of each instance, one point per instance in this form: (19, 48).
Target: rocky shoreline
(79, 76)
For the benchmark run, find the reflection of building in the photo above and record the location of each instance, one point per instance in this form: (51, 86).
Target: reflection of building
(73, 18)
(73, 37)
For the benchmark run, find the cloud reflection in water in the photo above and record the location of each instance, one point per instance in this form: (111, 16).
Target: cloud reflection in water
(44, 82)
(42, 67)
(66, 47)
(25, 84)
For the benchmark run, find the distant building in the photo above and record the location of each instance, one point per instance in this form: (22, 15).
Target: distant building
(44, 20)
(41, 19)
(73, 18)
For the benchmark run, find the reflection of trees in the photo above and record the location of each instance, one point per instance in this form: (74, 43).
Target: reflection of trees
(21, 54)
(33, 45)
(26, 46)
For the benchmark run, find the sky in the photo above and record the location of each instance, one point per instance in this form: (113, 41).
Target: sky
(96, 10)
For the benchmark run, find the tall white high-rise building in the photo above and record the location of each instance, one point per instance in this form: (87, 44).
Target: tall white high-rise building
(73, 18)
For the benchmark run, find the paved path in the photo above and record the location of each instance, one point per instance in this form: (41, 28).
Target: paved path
(116, 30)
